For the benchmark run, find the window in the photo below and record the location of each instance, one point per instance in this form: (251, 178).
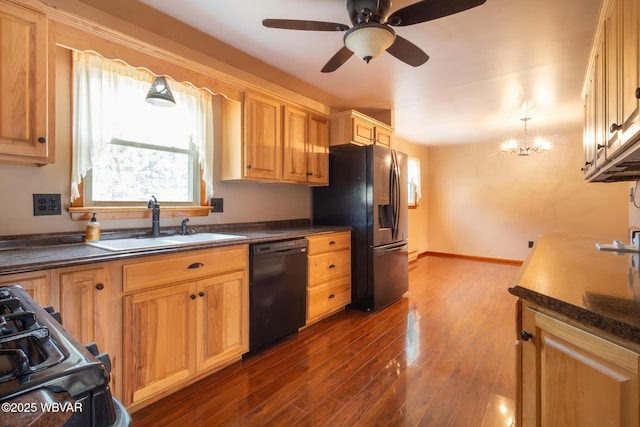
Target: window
(413, 178)
(126, 150)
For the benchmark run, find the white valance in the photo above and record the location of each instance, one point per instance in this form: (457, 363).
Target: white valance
(108, 101)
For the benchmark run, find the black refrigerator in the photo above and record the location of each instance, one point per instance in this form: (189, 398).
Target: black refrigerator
(368, 191)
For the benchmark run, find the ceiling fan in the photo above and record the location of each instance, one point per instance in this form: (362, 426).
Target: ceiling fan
(371, 33)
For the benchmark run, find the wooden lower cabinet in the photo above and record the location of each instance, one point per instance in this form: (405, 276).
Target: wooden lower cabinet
(175, 332)
(36, 284)
(328, 274)
(89, 301)
(569, 376)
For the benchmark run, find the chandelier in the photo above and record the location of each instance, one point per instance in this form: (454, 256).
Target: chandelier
(540, 145)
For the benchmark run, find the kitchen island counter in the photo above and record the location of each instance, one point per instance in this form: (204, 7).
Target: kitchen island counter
(570, 276)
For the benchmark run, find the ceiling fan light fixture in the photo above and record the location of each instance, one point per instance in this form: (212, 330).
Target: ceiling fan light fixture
(369, 40)
(159, 93)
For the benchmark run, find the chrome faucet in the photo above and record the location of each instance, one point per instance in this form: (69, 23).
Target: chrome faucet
(155, 215)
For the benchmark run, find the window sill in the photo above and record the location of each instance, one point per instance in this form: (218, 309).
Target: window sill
(130, 212)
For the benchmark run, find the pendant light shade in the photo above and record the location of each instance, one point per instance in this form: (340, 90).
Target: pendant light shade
(159, 93)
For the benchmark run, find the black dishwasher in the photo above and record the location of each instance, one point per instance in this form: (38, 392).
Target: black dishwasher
(277, 291)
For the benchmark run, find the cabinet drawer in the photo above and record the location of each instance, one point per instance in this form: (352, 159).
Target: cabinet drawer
(329, 242)
(328, 266)
(328, 297)
(187, 266)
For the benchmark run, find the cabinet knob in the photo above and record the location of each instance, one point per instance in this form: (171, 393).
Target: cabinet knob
(201, 293)
(615, 127)
(248, 166)
(638, 93)
(42, 140)
(600, 146)
(193, 296)
(99, 286)
(526, 336)
(195, 265)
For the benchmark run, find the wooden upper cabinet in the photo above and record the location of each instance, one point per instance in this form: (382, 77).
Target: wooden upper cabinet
(295, 144)
(262, 150)
(353, 127)
(318, 150)
(26, 87)
(305, 147)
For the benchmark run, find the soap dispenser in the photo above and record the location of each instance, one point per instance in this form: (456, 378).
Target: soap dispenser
(92, 233)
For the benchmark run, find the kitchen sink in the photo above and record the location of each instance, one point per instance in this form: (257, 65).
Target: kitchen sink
(132, 244)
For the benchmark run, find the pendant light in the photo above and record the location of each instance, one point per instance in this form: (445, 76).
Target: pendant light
(159, 93)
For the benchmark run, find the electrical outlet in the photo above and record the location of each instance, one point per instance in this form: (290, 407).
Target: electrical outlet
(217, 205)
(46, 204)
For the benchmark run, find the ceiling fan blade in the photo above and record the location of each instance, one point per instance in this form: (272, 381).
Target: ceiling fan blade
(428, 10)
(297, 24)
(337, 60)
(407, 52)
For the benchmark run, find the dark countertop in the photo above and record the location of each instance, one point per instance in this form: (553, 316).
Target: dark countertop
(568, 275)
(19, 255)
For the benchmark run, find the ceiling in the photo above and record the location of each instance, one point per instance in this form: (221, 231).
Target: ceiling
(485, 63)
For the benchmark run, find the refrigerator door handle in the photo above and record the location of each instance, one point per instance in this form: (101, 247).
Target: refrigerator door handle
(391, 246)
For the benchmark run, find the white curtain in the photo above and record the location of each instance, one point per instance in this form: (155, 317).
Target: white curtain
(108, 102)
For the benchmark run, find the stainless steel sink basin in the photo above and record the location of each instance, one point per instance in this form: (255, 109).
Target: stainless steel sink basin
(133, 244)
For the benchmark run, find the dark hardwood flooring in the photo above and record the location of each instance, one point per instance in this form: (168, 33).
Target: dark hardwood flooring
(443, 356)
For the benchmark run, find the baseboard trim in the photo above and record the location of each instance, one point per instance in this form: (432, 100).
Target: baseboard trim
(470, 257)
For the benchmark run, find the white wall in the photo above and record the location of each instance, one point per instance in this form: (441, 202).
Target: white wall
(485, 203)
(243, 201)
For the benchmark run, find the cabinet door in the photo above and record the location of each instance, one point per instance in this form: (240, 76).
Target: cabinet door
(222, 323)
(158, 340)
(573, 378)
(630, 55)
(383, 136)
(24, 92)
(262, 146)
(612, 110)
(363, 131)
(318, 151)
(295, 145)
(36, 285)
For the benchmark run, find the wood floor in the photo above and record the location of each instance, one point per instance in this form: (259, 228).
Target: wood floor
(443, 356)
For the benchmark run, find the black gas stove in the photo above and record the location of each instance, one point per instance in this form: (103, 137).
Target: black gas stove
(46, 375)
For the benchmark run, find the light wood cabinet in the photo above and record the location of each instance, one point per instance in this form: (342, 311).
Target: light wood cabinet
(571, 376)
(352, 127)
(612, 94)
(27, 89)
(89, 301)
(305, 147)
(328, 275)
(254, 153)
(185, 315)
(36, 284)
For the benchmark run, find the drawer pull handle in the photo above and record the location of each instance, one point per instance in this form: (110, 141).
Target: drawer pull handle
(99, 286)
(332, 296)
(333, 242)
(332, 266)
(196, 265)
